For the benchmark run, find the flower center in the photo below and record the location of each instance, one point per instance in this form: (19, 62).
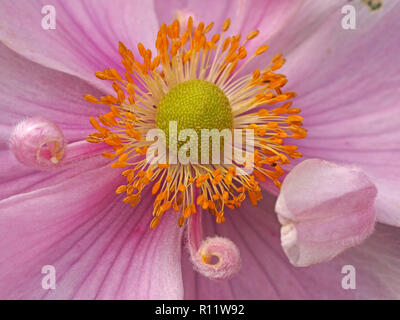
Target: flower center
(198, 82)
(194, 104)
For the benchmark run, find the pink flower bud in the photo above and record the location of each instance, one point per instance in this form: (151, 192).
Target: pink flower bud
(227, 258)
(324, 209)
(216, 258)
(38, 143)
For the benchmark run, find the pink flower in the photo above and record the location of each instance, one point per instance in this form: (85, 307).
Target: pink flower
(69, 217)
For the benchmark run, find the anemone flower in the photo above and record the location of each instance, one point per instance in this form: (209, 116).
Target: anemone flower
(77, 192)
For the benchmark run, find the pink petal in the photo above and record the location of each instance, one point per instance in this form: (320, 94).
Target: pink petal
(101, 248)
(316, 54)
(300, 24)
(40, 92)
(350, 100)
(28, 90)
(86, 36)
(17, 178)
(324, 209)
(266, 272)
(331, 68)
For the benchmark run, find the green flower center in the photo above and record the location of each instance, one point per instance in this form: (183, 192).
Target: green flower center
(195, 104)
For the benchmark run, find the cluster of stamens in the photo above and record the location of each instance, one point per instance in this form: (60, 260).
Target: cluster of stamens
(133, 108)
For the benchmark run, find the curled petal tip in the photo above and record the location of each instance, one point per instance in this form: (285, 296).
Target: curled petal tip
(39, 143)
(227, 258)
